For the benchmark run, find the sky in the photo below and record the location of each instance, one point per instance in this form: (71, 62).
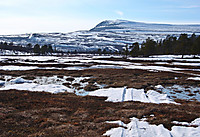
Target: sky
(35, 16)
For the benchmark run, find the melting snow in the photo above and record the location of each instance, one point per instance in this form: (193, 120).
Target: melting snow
(159, 87)
(196, 122)
(9, 68)
(90, 59)
(105, 66)
(131, 94)
(19, 80)
(186, 64)
(52, 88)
(194, 78)
(137, 128)
(182, 92)
(48, 84)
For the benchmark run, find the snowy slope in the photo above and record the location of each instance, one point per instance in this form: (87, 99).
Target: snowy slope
(110, 35)
(124, 25)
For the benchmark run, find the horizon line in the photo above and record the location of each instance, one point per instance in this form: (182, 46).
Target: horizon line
(147, 22)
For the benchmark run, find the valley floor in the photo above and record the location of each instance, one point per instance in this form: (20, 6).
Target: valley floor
(86, 95)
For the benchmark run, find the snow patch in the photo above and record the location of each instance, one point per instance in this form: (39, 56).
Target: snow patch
(105, 66)
(52, 88)
(138, 128)
(19, 80)
(196, 122)
(131, 94)
(155, 97)
(159, 87)
(10, 68)
(52, 84)
(194, 78)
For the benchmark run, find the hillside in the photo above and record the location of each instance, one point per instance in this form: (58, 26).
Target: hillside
(109, 35)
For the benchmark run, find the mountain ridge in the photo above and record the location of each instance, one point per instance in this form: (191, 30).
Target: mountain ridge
(109, 34)
(123, 24)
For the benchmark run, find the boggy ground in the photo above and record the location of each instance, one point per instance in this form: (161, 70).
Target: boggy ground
(25, 113)
(131, 78)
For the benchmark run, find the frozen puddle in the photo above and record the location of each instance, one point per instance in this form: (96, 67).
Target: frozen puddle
(131, 94)
(182, 92)
(137, 128)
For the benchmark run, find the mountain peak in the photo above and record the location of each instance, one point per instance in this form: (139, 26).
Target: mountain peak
(115, 24)
(110, 25)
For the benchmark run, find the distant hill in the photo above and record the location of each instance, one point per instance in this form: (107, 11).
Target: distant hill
(109, 34)
(124, 25)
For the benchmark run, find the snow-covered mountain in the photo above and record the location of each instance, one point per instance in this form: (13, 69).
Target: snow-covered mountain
(109, 35)
(130, 26)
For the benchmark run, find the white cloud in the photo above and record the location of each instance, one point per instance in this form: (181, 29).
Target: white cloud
(119, 12)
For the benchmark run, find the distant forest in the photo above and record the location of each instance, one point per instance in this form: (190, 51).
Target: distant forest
(170, 45)
(29, 48)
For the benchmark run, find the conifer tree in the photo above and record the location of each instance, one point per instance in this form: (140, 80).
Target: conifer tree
(36, 49)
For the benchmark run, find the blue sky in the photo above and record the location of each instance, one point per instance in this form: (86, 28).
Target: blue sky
(29, 16)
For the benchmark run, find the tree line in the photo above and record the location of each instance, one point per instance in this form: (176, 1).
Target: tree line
(170, 45)
(29, 48)
(45, 49)
(183, 45)
(11, 46)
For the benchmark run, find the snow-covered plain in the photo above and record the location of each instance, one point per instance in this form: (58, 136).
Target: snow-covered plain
(140, 128)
